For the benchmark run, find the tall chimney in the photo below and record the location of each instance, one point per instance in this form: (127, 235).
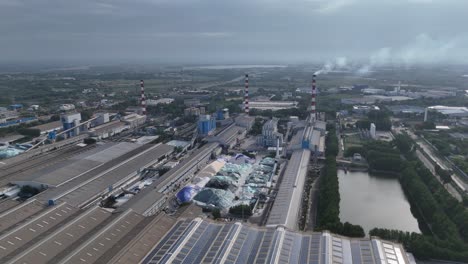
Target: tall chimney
(314, 93)
(246, 94)
(143, 99)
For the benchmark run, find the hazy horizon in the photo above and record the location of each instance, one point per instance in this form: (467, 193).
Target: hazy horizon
(396, 32)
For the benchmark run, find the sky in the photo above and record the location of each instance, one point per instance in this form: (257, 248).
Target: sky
(377, 32)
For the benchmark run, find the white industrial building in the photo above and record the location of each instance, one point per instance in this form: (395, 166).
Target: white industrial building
(449, 111)
(153, 102)
(272, 105)
(134, 120)
(66, 107)
(372, 131)
(270, 134)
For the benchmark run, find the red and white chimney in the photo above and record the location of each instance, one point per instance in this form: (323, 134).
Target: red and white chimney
(143, 99)
(246, 94)
(313, 102)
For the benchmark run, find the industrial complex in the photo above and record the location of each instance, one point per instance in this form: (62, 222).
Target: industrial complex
(101, 193)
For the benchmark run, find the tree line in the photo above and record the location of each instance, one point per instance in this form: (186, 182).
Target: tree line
(445, 229)
(328, 209)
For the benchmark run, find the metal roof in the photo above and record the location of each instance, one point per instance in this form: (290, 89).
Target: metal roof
(203, 241)
(285, 210)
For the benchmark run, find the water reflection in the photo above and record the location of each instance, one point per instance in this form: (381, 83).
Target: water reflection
(374, 201)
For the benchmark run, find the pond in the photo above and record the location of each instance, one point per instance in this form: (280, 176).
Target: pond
(374, 201)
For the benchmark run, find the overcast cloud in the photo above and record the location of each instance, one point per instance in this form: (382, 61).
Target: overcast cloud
(234, 31)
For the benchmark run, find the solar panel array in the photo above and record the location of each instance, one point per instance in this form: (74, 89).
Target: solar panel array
(204, 241)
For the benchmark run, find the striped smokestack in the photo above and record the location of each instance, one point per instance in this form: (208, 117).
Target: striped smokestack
(314, 93)
(246, 94)
(143, 99)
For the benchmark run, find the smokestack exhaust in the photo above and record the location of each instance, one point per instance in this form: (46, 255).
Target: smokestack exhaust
(143, 99)
(246, 94)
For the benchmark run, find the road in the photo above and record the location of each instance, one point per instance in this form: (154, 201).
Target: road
(449, 187)
(428, 150)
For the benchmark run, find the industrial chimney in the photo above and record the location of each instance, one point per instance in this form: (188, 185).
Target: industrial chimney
(246, 94)
(143, 99)
(314, 93)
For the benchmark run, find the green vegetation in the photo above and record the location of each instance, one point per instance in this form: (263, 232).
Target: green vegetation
(257, 127)
(31, 132)
(216, 213)
(424, 247)
(444, 220)
(381, 119)
(241, 210)
(381, 156)
(89, 141)
(328, 210)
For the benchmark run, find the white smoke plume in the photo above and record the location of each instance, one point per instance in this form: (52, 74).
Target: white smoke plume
(337, 64)
(422, 50)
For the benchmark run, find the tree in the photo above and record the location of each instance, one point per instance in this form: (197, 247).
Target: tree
(86, 115)
(216, 213)
(32, 132)
(241, 210)
(257, 127)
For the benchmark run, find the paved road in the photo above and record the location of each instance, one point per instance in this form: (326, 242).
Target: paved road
(449, 187)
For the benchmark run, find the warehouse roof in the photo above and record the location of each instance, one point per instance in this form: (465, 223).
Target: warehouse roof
(285, 210)
(203, 241)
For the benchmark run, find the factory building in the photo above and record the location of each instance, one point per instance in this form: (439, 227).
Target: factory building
(449, 111)
(108, 130)
(101, 118)
(206, 125)
(270, 134)
(69, 121)
(134, 120)
(222, 114)
(272, 105)
(192, 111)
(165, 101)
(364, 109)
(245, 121)
(67, 107)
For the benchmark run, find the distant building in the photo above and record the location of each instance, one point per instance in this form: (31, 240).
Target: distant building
(67, 107)
(101, 118)
(270, 134)
(159, 101)
(372, 131)
(405, 109)
(108, 130)
(372, 91)
(272, 105)
(222, 114)
(449, 111)
(134, 120)
(33, 108)
(364, 109)
(206, 125)
(15, 107)
(192, 111)
(69, 121)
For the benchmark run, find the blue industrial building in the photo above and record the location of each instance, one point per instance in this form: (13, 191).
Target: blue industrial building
(206, 125)
(70, 121)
